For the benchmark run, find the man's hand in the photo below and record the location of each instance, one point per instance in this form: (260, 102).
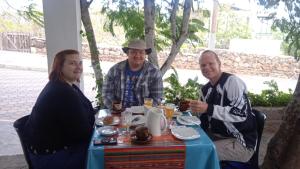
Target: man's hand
(198, 106)
(116, 105)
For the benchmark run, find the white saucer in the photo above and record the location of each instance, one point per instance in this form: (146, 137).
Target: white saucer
(107, 131)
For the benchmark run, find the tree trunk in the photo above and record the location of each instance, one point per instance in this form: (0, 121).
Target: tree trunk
(86, 20)
(281, 145)
(149, 14)
(177, 41)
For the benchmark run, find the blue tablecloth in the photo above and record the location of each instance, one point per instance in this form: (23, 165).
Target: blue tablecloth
(95, 155)
(200, 154)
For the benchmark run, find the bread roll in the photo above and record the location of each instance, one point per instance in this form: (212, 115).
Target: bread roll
(108, 120)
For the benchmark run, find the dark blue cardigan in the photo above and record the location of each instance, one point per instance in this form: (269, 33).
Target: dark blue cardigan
(62, 116)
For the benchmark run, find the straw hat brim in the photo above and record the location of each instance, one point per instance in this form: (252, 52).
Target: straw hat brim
(148, 51)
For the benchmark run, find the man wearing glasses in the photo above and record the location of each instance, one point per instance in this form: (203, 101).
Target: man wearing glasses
(130, 81)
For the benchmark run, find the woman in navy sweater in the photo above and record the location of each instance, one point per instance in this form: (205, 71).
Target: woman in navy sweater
(61, 122)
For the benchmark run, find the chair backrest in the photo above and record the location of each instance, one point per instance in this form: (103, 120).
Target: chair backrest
(253, 162)
(19, 127)
(260, 121)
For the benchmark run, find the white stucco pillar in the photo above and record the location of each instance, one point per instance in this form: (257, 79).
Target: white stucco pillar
(62, 27)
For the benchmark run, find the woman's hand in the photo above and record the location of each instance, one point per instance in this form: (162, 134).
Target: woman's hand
(198, 106)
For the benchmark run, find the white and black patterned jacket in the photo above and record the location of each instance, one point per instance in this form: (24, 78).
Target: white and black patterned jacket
(229, 111)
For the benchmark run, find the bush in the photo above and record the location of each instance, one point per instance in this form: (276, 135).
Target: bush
(175, 92)
(271, 97)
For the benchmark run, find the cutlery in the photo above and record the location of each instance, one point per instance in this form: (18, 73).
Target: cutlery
(136, 119)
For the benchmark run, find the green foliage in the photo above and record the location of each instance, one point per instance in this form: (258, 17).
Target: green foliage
(98, 97)
(289, 24)
(128, 15)
(98, 89)
(271, 96)
(32, 14)
(11, 22)
(231, 25)
(175, 92)
(293, 35)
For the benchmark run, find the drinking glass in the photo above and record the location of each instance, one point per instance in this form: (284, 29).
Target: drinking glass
(169, 112)
(126, 118)
(148, 102)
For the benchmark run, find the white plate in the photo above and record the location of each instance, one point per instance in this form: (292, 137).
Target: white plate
(136, 109)
(177, 113)
(185, 133)
(138, 120)
(188, 120)
(107, 131)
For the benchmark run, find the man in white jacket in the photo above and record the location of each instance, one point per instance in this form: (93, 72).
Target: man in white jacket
(225, 111)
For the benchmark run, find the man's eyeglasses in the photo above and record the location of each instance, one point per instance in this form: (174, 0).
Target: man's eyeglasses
(136, 51)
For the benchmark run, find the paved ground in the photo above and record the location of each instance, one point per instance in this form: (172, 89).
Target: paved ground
(13, 162)
(22, 78)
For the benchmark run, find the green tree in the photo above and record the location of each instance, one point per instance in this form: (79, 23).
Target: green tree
(281, 148)
(90, 35)
(164, 25)
(231, 25)
(10, 20)
(31, 13)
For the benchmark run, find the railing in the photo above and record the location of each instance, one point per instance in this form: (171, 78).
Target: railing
(15, 41)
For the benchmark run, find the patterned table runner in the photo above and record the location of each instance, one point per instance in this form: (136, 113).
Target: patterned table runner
(162, 152)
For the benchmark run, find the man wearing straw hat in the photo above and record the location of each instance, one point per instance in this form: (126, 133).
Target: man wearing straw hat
(130, 81)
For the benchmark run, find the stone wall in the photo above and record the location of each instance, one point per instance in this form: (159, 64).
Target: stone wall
(237, 63)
